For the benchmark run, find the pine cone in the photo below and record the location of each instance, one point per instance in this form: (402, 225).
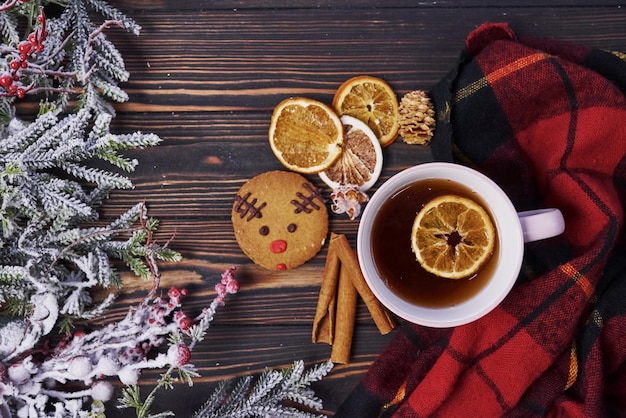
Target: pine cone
(417, 118)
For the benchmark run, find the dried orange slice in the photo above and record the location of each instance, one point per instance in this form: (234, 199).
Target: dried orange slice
(361, 161)
(305, 135)
(373, 101)
(452, 237)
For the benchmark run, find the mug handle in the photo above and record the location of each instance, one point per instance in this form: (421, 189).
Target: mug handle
(541, 224)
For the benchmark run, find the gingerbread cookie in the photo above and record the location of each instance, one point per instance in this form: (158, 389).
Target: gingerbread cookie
(280, 219)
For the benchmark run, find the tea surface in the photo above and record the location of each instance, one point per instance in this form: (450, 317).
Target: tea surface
(395, 261)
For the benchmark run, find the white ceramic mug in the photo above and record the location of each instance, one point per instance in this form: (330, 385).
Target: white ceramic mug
(513, 230)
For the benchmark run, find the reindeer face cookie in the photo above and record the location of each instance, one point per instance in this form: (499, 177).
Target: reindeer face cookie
(280, 220)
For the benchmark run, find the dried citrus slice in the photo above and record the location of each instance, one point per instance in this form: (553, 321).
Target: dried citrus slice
(372, 101)
(305, 135)
(452, 237)
(361, 161)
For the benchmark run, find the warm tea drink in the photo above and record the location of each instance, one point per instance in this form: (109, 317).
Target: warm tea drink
(386, 240)
(396, 263)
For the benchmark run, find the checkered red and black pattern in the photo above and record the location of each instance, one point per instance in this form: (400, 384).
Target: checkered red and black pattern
(547, 121)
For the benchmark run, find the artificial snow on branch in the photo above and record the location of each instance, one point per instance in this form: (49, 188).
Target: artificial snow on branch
(75, 375)
(269, 395)
(50, 188)
(56, 169)
(53, 252)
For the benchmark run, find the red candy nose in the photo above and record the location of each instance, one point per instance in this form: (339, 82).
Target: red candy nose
(278, 246)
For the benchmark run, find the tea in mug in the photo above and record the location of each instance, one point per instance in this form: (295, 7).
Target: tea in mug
(395, 260)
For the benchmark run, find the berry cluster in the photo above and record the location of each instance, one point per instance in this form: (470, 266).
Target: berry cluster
(163, 309)
(228, 285)
(121, 349)
(160, 313)
(19, 61)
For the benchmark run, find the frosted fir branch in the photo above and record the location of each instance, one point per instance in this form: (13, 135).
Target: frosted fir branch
(20, 135)
(129, 217)
(112, 13)
(268, 381)
(54, 200)
(12, 273)
(127, 141)
(73, 237)
(95, 311)
(98, 176)
(106, 59)
(117, 160)
(46, 261)
(72, 53)
(265, 396)
(8, 26)
(110, 89)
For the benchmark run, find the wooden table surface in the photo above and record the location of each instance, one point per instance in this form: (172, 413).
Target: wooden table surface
(205, 77)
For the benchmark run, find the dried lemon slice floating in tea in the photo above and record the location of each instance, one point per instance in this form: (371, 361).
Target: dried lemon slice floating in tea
(305, 135)
(452, 237)
(373, 101)
(361, 161)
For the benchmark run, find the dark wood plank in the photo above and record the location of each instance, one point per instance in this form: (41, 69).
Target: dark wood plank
(207, 172)
(250, 60)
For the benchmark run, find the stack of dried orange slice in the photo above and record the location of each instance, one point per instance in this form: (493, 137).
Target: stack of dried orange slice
(372, 101)
(305, 135)
(360, 162)
(309, 137)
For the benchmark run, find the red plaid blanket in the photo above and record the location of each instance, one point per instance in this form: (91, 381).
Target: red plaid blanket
(547, 121)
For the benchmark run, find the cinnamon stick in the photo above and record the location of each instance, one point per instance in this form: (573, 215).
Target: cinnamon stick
(344, 323)
(350, 262)
(335, 314)
(324, 321)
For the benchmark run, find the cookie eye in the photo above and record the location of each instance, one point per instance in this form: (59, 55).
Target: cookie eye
(292, 227)
(264, 230)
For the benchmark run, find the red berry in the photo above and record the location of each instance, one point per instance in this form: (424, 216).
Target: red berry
(184, 322)
(15, 64)
(20, 93)
(6, 80)
(25, 46)
(173, 292)
(232, 287)
(178, 355)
